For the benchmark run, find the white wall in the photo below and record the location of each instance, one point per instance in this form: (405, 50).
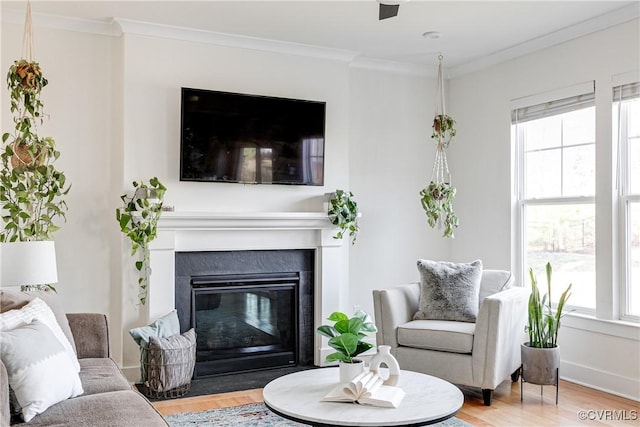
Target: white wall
(608, 356)
(78, 101)
(115, 105)
(391, 157)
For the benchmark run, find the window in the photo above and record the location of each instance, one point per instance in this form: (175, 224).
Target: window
(626, 120)
(555, 164)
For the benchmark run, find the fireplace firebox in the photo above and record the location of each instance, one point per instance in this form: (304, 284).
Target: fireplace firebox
(246, 316)
(244, 321)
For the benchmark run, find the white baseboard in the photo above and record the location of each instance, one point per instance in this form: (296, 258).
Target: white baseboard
(600, 380)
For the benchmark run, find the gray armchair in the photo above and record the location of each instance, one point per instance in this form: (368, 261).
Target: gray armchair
(481, 354)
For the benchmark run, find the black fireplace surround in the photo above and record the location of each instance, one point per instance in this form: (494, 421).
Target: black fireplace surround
(251, 310)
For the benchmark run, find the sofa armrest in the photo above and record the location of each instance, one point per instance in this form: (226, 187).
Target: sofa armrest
(91, 334)
(498, 335)
(392, 308)
(5, 411)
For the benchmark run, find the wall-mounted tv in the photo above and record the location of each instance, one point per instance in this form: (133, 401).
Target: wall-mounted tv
(233, 137)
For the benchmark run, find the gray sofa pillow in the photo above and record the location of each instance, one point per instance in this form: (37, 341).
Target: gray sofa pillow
(448, 291)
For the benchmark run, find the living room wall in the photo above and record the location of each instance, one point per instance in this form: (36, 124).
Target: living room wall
(598, 353)
(114, 102)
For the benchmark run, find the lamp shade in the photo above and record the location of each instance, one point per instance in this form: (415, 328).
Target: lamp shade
(28, 263)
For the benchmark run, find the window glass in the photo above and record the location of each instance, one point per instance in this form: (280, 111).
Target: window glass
(563, 235)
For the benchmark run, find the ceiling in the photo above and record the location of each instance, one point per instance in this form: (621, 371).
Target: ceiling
(472, 33)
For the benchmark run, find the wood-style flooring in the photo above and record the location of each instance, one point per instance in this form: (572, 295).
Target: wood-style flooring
(600, 409)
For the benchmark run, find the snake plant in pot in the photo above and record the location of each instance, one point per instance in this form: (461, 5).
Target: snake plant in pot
(346, 336)
(541, 354)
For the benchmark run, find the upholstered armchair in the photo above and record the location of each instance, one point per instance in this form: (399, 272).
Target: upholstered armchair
(481, 354)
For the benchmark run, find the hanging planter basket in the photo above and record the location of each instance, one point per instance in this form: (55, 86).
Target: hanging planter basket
(437, 197)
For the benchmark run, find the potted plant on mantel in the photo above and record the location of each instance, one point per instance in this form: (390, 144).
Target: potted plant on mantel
(138, 220)
(343, 213)
(32, 190)
(541, 355)
(346, 337)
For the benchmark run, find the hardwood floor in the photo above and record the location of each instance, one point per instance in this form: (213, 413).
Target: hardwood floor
(601, 409)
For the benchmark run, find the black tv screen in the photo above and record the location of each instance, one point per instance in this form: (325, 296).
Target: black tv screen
(232, 137)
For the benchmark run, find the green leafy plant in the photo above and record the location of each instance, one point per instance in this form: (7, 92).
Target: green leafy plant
(443, 129)
(346, 335)
(343, 213)
(32, 190)
(544, 321)
(437, 202)
(138, 219)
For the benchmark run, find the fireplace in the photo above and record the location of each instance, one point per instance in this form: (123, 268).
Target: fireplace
(180, 233)
(251, 309)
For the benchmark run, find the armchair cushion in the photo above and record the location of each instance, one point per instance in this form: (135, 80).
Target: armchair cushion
(440, 335)
(448, 291)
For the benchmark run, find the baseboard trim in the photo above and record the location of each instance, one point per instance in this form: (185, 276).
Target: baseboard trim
(600, 380)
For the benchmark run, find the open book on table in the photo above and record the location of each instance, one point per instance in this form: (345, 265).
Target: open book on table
(367, 389)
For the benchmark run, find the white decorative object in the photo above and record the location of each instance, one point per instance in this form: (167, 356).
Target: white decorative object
(385, 357)
(349, 371)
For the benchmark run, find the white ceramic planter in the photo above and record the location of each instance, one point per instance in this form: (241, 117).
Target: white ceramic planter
(349, 371)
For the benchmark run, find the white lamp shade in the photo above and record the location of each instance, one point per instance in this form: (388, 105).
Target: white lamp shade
(28, 263)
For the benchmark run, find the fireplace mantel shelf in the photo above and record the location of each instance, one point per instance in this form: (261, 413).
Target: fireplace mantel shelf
(244, 220)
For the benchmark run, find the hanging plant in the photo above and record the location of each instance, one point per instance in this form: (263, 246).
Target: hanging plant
(437, 202)
(138, 219)
(343, 213)
(437, 197)
(32, 190)
(443, 129)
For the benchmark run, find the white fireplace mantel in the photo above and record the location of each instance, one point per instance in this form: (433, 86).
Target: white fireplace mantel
(215, 231)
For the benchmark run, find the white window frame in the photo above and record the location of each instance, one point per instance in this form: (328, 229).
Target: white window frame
(583, 95)
(624, 197)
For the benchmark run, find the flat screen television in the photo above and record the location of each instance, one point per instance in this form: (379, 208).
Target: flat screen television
(233, 137)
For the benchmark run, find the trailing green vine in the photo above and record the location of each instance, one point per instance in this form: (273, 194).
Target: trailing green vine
(32, 190)
(343, 213)
(138, 220)
(437, 202)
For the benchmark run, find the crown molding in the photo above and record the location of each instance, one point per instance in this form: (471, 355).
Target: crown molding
(231, 40)
(118, 26)
(405, 68)
(618, 16)
(105, 28)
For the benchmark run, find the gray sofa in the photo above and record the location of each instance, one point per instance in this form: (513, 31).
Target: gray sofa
(108, 399)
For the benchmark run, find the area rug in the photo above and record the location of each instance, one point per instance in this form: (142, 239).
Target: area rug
(252, 415)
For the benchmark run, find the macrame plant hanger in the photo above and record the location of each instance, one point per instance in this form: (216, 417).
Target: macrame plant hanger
(27, 37)
(440, 173)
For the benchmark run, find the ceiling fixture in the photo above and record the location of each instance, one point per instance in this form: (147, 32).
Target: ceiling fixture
(389, 8)
(433, 35)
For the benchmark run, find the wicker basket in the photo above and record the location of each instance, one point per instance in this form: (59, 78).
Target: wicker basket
(168, 371)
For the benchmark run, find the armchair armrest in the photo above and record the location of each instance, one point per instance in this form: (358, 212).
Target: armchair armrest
(91, 334)
(498, 335)
(392, 308)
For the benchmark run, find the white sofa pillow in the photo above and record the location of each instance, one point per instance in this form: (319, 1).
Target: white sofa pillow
(38, 309)
(39, 369)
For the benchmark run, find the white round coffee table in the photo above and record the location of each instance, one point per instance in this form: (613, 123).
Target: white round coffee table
(297, 396)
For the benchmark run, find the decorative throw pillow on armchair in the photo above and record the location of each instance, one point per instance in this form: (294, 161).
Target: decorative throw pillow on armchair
(448, 291)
